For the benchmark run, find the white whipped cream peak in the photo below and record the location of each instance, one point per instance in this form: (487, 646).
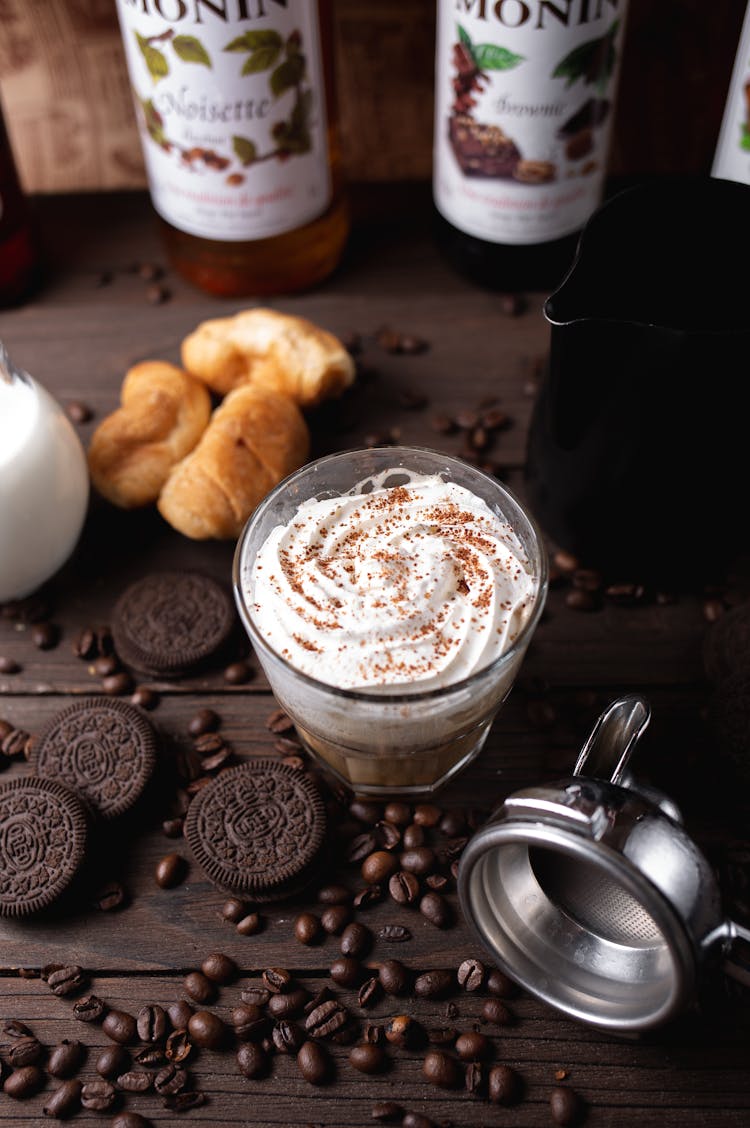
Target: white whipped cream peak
(418, 583)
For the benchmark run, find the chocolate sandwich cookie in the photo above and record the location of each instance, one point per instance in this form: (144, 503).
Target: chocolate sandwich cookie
(43, 832)
(258, 829)
(726, 649)
(103, 749)
(169, 623)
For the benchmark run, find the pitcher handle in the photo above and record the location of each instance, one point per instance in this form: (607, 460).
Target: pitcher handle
(606, 753)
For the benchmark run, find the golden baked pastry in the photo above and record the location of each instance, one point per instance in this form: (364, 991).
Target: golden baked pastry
(275, 350)
(164, 412)
(255, 438)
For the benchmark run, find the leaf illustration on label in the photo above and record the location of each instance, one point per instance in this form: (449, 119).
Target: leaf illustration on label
(156, 60)
(191, 50)
(154, 121)
(287, 74)
(593, 61)
(244, 150)
(489, 56)
(254, 40)
(260, 60)
(464, 37)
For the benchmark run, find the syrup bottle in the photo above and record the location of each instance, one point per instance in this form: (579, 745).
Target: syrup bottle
(18, 256)
(237, 114)
(524, 102)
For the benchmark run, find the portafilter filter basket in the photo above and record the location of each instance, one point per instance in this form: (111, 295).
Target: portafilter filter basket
(590, 894)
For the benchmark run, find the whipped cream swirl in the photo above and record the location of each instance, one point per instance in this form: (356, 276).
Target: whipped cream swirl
(412, 583)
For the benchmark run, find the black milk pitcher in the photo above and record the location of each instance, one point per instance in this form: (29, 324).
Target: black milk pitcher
(637, 457)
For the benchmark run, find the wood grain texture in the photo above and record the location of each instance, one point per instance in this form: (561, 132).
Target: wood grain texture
(79, 338)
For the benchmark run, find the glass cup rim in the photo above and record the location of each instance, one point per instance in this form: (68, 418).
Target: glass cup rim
(368, 694)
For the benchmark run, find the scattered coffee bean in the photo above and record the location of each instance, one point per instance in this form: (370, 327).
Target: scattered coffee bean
(471, 1046)
(249, 1022)
(366, 811)
(106, 665)
(403, 887)
(145, 698)
(279, 722)
(369, 992)
(346, 971)
(120, 1026)
(470, 975)
(116, 685)
(112, 1061)
(582, 600)
(288, 1037)
(496, 1012)
(387, 834)
(326, 1019)
(24, 1051)
(474, 1078)
(78, 412)
(370, 895)
(386, 1111)
(179, 1014)
(356, 940)
(219, 968)
(334, 895)
(255, 996)
(64, 1101)
(277, 979)
(9, 665)
(238, 673)
(417, 1120)
(156, 294)
(249, 924)
(170, 871)
(206, 1029)
(98, 1096)
(173, 828)
(291, 1003)
(307, 928)
(151, 1023)
(334, 919)
(199, 987)
(24, 1082)
(14, 1029)
(441, 1070)
(314, 1063)
(442, 1035)
(394, 933)
(368, 1058)
(378, 866)
(502, 1085)
(130, 1119)
(252, 1061)
(179, 1046)
(413, 836)
(360, 847)
(565, 1105)
(65, 1058)
(404, 1031)
(135, 1081)
(205, 720)
(185, 1101)
(713, 609)
(395, 977)
(436, 909)
(171, 1079)
(233, 910)
(434, 984)
(419, 861)
(45, 636)
(65, 980)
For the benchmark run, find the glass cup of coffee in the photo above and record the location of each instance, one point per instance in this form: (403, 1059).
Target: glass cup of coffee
(390, 595)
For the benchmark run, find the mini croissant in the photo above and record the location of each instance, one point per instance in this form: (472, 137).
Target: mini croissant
(255, 438)
(272, 350)
(164, 412)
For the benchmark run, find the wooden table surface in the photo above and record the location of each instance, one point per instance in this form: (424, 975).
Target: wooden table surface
(90, 322)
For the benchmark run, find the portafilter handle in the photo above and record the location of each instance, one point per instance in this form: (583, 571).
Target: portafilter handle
(606, 753)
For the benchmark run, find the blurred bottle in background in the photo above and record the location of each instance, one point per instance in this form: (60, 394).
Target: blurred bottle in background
(524, 103)
(18, 252)
(238, 122)
(732, 157)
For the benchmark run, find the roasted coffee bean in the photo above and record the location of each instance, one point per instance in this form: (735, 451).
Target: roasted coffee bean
(288, 1037)
(579, 600)
(116, 685)
(413, 837)
(135, 1081)
(111, 1062)
(361, 847)
(356, 940)
(65, 1058)
(120, 1027)
(24, 1051)
(395, 977)
(374, 1033)
(387, 835)
(467, 419)
(258, 996)
(436, 882)
(99, 1096)
(219, 968)
(307, 928)
(334, 895)
(441, 1070)
(9, 665)
(436, 910)
(151, 1023)
(171, 1079)
(403, 887)
(238, 673)
(314, 1063)
(403, 1030)
(442, 1035)
(249, 1022)
(453, 823)
(394, 933)
(130, 1119)
(427, 815)
(252, 1061)
(326, 1019)
(179, 1014)
(205, 720)
(199, 987)
(334, 919)
(378, 867)
(106, 665)
(471, 1045)
(279, 722)
(206, 1029)
(144, 698)
(366, 811)
(502, 1085)
(23, 1082)
(293, 1002)
(233, 910)
(277, 979)
(495, 1011)
(208, 743)
(370, 895)
(65, 980)
(513, 305)
(474, 1078)
(368, 1058)
(151, 1056)
(369, 992)
(385, 1111)
(434, 984)
(179, 1046)
(249, 925)
(45, 636)
(565, 1105)
(470, 975)
(110, 897)
(346, 971)
(173, 828)
(170, 871)
(398, 813)
(16, 744)
(185, 1101)
(417, 1120)
(500, 985)
(64, 1101)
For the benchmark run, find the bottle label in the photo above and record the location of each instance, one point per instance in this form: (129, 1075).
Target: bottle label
(231, 111)
(524, 102)
(732, 157)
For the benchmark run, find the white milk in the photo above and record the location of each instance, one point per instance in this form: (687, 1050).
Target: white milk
(44, 487)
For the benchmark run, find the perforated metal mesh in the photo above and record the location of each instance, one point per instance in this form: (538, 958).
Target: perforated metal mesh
(593, 900)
